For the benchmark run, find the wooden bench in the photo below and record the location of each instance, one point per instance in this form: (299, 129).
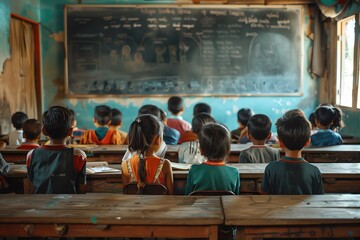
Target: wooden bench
(109, 215)
(289, 216)
(337, 178)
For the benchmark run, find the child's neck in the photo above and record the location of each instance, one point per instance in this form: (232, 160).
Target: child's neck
(258, 142)
(293, 153)
(58, 141)
(32, 141)
(322, 127)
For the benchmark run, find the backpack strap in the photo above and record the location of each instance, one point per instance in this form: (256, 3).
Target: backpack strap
(158, 170)
(132, 177)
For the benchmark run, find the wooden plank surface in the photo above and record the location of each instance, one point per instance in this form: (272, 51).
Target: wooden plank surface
(116, 209)
(270, 210)
(337, 178)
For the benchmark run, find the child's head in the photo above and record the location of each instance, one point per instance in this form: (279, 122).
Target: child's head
(176, 105)
(312, 120)
(294, 112)
(293, 131)
(328, 117)
(214, 140)
(243, 116)
(199, 120)
(18, 119)
(259, 126)
(57, 123)
(145, 137)
(149, 109)
(32, 129)
(116, 117)
(202, 108)
(102, 115)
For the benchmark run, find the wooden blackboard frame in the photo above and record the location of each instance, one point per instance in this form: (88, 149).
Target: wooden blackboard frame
(69, 93)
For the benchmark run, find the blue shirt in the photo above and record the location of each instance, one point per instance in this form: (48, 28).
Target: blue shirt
(325, 137)
(171, 135)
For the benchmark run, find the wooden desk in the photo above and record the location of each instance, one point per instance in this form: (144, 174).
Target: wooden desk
(109, 215)
(288, 216)
(114, 153)
(337, 178)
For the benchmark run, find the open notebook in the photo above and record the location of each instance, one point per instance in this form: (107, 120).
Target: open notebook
(180, 166)
(100, 167)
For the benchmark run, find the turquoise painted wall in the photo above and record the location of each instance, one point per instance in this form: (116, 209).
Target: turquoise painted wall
(26, 8)
(224, 109)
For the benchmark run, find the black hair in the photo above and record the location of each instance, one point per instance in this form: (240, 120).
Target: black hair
(116, 117)
(259, 126)
(32, 129)
(202, 108)
(141, 134)
(175, 104)
(102, 114)
(329, 116)
(214, 140)
(57, 122)
(149, 109)
(312, 120)
(293, 131)
(163, 115)
(294, 112)
(199, 120)
(18, 119)
(244, 114)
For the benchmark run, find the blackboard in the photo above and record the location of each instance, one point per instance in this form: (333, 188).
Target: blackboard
(183, 50)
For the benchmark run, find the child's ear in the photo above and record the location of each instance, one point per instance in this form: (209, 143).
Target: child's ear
(248, 135)
(157, 141)
(281, 144)
(43, 130)
(269, 136)
(308, 142)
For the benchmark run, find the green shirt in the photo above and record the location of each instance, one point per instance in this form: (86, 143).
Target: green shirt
(292, 176)
(208, 177)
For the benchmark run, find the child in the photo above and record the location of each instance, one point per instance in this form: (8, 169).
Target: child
(154, 111)
(189, 151)
(32, 134)
(259, 126)
(176, 107)
(292, 174)
(55, 168)
(16, 137)
(201, 108)
(171, 135)
(327, 117)
(116, 123)
(213, 174)
(145, 137)
(243, 116)
(102, 135)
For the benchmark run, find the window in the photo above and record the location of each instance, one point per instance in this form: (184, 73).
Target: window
(345, 78)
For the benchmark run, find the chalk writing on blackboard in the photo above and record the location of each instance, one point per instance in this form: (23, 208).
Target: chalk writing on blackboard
(156, 50)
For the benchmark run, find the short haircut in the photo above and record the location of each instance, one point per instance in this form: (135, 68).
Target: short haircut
(102, 114)
(32, 129)
(259, 126)
(175, 104)
(293, 131)
(149, 109)
(202, 108)
(116, 117)
(294, 112)
(214, 140)
(199, 120)
(18, 119)
(57, 122)
(244, 114)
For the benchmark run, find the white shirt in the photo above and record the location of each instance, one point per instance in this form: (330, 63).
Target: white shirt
(16, 138)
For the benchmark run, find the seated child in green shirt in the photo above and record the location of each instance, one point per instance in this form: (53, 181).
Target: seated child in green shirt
(213, 174)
